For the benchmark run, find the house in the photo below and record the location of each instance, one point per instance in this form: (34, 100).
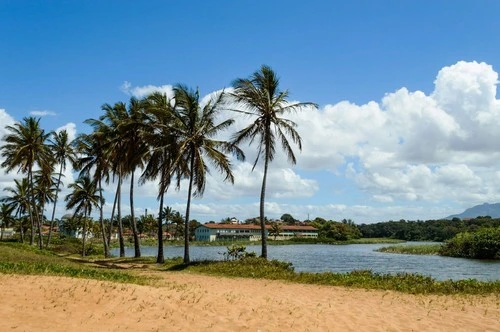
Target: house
(250, 232)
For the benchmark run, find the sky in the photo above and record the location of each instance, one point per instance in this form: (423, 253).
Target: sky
(408, 120)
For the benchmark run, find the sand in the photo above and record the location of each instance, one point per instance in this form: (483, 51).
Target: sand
(190, 302)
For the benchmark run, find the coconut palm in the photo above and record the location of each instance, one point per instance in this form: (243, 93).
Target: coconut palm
(19, 200)
(93, 161)
(163, 151)
(196, 132)
(25, 148)
(134, 151)
(62, 150)
(259, 96)
(84, 196)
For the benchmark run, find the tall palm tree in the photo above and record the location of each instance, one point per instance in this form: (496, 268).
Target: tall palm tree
(259, 96)
(93, 162)
(196, 132)
(62, 150)
(163, 149)
(25, 148)
(84, 196)
(44, 189)
(134, 151)
(19, 200)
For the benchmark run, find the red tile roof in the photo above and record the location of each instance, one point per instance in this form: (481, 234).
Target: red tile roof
(252, 226)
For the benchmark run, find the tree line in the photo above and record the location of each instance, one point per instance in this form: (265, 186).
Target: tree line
(167, 138)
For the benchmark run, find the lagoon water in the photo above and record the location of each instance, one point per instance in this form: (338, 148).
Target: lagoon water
(346, 258)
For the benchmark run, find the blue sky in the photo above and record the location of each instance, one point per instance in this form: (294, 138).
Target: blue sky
(406, 125)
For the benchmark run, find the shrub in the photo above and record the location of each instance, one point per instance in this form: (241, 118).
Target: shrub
(483, 244)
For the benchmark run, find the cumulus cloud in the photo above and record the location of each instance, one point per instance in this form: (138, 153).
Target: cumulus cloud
(403, 151)
(412, 146)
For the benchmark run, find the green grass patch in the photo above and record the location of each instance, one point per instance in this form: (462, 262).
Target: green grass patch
(276, 270)
(424, 249)
(16, 258)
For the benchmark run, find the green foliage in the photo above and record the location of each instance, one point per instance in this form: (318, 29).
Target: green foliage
(237, 251)
(483, 244)
(430, 230)
(339, 231)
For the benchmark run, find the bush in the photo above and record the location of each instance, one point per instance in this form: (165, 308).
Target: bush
(483, 244)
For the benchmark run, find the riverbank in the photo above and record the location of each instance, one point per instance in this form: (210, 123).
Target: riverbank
(182, 301)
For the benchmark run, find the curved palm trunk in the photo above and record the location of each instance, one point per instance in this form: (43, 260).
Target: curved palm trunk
(120, 225)
(188, 207)
(101, 220)
(137, 245)
(262, 214)
(54, 207)
(112, 219)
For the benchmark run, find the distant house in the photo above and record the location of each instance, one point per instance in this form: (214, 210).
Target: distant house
(217, 232)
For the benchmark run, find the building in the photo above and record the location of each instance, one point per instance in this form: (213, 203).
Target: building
(250, 232)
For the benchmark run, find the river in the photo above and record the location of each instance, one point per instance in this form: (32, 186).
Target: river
(346, 258)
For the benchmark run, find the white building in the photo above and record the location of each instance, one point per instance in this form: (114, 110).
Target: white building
(215, 232)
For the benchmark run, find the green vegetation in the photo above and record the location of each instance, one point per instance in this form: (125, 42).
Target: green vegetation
(23, 259)
(255, 267)
(424, 249)
(429, 230)
(483, 244)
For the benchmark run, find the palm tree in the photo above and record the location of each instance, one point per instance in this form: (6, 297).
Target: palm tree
(94, 162)
(44, 189)
(19, 200)
(24, 149)
(134, 151)
(196, 130)
(85, 195)
(163, 149)
(62, 150)
(259, 96)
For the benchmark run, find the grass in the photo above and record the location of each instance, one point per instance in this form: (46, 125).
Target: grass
(24, 259)
(275, 270)
(424, 249)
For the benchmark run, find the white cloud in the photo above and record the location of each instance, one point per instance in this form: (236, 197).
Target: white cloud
(143, 91)
(42, 113)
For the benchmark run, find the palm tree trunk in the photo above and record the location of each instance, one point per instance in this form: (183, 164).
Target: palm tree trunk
(112, 218)
(263, 199)
(262, 213)
(160, 259)
(137, 248)
(39, 225)
(30, 205)
(84, 235)
(188, 206)
(120, 225)
(105, 243)
(54, 207)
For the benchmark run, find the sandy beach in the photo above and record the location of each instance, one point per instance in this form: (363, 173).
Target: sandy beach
(190, 302)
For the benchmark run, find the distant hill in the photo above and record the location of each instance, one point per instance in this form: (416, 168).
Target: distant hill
(486, 209)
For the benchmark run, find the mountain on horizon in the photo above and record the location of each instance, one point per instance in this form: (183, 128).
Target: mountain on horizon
(486, 209)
